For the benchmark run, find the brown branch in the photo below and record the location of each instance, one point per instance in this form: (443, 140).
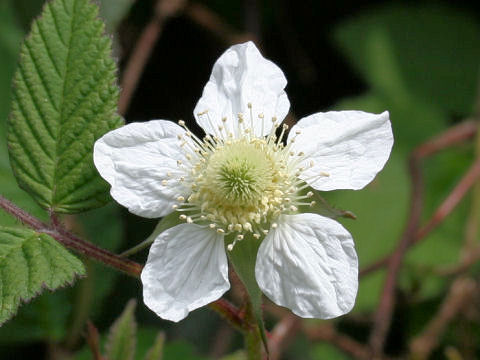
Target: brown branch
(453, 136)
(206, 18)
(383, 315)
(459, 295)
(143, 49)
(453, 199)
(412, 233)
(282, 334)
(71, 241)
(93, 341)
(229, 312)
(346, 344)
(445, 208)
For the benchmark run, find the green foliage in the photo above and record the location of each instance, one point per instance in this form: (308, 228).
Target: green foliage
(122, 338)
(64, 99)
(327, 351)
(409, 57)
(156, 352)
(30, 262)
(150, 344)
(414, 52)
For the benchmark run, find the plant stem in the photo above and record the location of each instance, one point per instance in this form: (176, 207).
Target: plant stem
(91, 251)
(253, 339)
(71, 241)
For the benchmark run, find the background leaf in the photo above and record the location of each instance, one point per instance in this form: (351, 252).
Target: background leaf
(156, 351)
(30, 262)
(122, 338)
(64, 99)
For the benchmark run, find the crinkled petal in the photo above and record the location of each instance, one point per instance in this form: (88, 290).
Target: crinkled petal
(186, 268)
(241, 76)
(309, 264)
(348, 148)
(137, 159)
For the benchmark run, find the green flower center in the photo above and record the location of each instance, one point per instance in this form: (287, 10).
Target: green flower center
(241, 183)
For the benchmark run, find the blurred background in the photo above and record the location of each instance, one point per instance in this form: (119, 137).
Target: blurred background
(417, 59)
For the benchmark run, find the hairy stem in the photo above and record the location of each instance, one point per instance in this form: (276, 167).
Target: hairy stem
(71, 241)
(253, 339)
(91, 251)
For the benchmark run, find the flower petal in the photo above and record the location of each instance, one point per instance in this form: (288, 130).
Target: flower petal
(135, 159)
(241, 76)
(349, 147)
(186, 268)
(308, 264)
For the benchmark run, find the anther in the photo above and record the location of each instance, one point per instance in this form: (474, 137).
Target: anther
(224, 119)
(183, 217)
(189, 220)
(309, 194)
(164, 182)
(212, 226)
(256, 236)
(181, 122)
(274, 225)
(249, 105)
(220, 231)
(180, 198)
(313, 203)
(240, 237)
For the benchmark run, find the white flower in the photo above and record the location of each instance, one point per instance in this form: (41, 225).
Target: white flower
(241, 179)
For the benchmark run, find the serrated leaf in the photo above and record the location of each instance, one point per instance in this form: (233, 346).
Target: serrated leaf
(29, 263)
(122, 338)
(243, 257)
(156, 351)
(64, 99)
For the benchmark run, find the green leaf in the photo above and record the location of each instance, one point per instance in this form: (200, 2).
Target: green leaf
(156, 351)
(30, 262)
(122, 338)
(64, 99)
(243, 257)
(413, 52)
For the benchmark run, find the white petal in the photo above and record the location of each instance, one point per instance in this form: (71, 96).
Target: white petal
(135, 159)
(308, 264)
(351, 147)
(241, 76)
(186, 268)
